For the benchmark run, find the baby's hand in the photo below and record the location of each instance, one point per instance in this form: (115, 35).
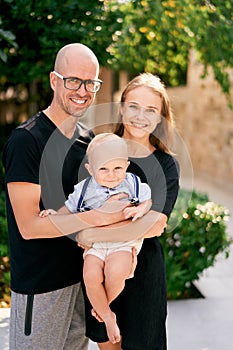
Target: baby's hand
(138, 211)
(133, 212)
(47, 212)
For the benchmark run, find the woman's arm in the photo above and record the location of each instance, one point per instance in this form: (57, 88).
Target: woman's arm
(150, 225)
(158, 228)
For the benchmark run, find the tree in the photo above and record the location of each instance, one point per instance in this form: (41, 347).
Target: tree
(40, 29)
(137, 36)
(6, 39)
(156, 36)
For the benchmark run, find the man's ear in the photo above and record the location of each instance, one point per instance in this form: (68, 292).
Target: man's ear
(89, 169)
(128, 163)
(52, 81)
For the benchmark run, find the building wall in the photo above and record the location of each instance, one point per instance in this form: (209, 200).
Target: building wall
(205, 123)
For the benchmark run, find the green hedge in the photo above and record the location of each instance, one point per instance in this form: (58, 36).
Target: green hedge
(194, 243)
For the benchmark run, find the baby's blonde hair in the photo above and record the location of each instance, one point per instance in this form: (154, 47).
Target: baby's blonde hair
(104, 137)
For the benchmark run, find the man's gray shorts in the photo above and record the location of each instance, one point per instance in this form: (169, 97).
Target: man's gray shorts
(48, 321)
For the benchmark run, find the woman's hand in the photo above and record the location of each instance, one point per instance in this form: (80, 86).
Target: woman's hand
(159, 226)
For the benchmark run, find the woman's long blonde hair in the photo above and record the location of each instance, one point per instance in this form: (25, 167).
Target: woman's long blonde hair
(162, 137)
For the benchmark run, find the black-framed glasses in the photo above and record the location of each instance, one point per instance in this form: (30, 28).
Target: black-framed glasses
(74, 83)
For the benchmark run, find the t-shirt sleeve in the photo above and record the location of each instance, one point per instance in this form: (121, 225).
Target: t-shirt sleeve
(144, 192)
(21, 158)
(171, 172)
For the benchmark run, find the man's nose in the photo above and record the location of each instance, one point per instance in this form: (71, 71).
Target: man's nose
(82, 89)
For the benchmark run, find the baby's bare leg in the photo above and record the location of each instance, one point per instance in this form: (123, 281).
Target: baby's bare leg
(118, 267)
(93, 274)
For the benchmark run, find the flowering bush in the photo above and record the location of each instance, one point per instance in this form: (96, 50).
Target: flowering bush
(192, 246)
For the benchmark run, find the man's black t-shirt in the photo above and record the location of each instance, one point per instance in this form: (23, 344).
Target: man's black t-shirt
(37, 152)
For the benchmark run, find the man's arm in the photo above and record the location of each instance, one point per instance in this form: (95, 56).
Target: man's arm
(25, 198)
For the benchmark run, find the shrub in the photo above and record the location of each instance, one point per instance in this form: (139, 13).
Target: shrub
(192, 246)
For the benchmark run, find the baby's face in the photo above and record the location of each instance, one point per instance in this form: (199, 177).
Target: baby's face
(112, 173)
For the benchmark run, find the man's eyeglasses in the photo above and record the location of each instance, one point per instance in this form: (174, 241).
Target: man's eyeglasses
(73, 83)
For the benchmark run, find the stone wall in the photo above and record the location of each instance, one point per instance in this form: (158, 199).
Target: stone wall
(205, 123)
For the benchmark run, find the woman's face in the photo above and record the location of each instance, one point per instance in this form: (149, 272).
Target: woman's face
(141, 113)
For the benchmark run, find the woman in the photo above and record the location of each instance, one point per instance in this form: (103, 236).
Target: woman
(146, 123)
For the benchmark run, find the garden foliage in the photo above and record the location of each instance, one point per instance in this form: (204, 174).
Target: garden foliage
(193, 245)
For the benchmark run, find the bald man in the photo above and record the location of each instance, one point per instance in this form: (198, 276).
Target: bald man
(42, 158)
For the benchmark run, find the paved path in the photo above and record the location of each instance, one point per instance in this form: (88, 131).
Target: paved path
(196, 324)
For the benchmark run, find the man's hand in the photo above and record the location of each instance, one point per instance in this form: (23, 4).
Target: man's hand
(113, 205)
(118, 196)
